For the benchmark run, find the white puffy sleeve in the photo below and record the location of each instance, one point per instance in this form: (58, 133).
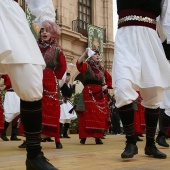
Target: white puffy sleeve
(42, 9)
(165, 19)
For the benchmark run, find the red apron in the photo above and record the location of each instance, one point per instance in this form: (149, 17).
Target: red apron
(50, 105)
(93, 121)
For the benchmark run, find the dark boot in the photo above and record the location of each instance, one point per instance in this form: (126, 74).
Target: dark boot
(47, 140)
(66, 127)
(161, 140)
(153, 151)
(151, 118)
(3, 136)
(39, 163)
(31, 117)
(23, 145)
(127, 117)
(139, 139)
(14, 133)
(98, 141)
(50, 140)
(58, 145)
(164, 123)
(83, 141)
(130, 151)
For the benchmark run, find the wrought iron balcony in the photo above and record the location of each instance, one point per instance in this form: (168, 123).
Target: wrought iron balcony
(82, 27)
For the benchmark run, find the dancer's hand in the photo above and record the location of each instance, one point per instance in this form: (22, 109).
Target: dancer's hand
(104, 87)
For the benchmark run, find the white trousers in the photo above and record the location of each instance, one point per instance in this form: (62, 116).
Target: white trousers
(125, 93)
(26, 80)
(166, 102)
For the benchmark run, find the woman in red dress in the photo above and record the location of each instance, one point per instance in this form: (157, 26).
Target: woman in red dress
(55, 69)
(95, 119)
(11, 110)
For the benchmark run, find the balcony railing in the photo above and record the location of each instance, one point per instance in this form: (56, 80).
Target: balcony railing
(82, 27)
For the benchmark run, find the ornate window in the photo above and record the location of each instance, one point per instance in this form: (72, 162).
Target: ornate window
(84, 14)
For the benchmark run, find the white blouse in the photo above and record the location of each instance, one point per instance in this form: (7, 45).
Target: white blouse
(165, 19)
(42, 9)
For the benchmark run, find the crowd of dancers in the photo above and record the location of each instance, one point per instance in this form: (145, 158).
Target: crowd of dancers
(140, 74)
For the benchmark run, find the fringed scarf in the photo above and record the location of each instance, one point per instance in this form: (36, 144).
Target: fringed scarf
(48, 50)
(97, 71)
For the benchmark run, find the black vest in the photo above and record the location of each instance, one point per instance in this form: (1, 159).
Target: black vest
(66, 91)
(146, 5)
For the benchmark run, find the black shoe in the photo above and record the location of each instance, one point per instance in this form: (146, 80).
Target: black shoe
(43, 140)
(23, 145)
(61, 136)
(4, 138)
(83, 141)
(130, 151)
(162, 141)
(59, 145)
(47, 140)
(98, 141)
(138, 139)
(39, 163)
(66, 136)
(153, 151)
(14, 138)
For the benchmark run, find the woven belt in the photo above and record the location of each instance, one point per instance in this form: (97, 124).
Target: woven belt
(137, 18)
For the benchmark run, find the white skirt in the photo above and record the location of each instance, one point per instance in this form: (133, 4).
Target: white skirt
(17, 44)
(65, 116)
(140, 58)
(11, 106)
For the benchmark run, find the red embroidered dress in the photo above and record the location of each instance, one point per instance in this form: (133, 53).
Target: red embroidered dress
(93, 121)
(7, 83)
(55, 69)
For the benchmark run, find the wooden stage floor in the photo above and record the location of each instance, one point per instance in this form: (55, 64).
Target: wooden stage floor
(90, 156)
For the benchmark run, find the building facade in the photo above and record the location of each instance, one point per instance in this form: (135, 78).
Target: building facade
(73, 16)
